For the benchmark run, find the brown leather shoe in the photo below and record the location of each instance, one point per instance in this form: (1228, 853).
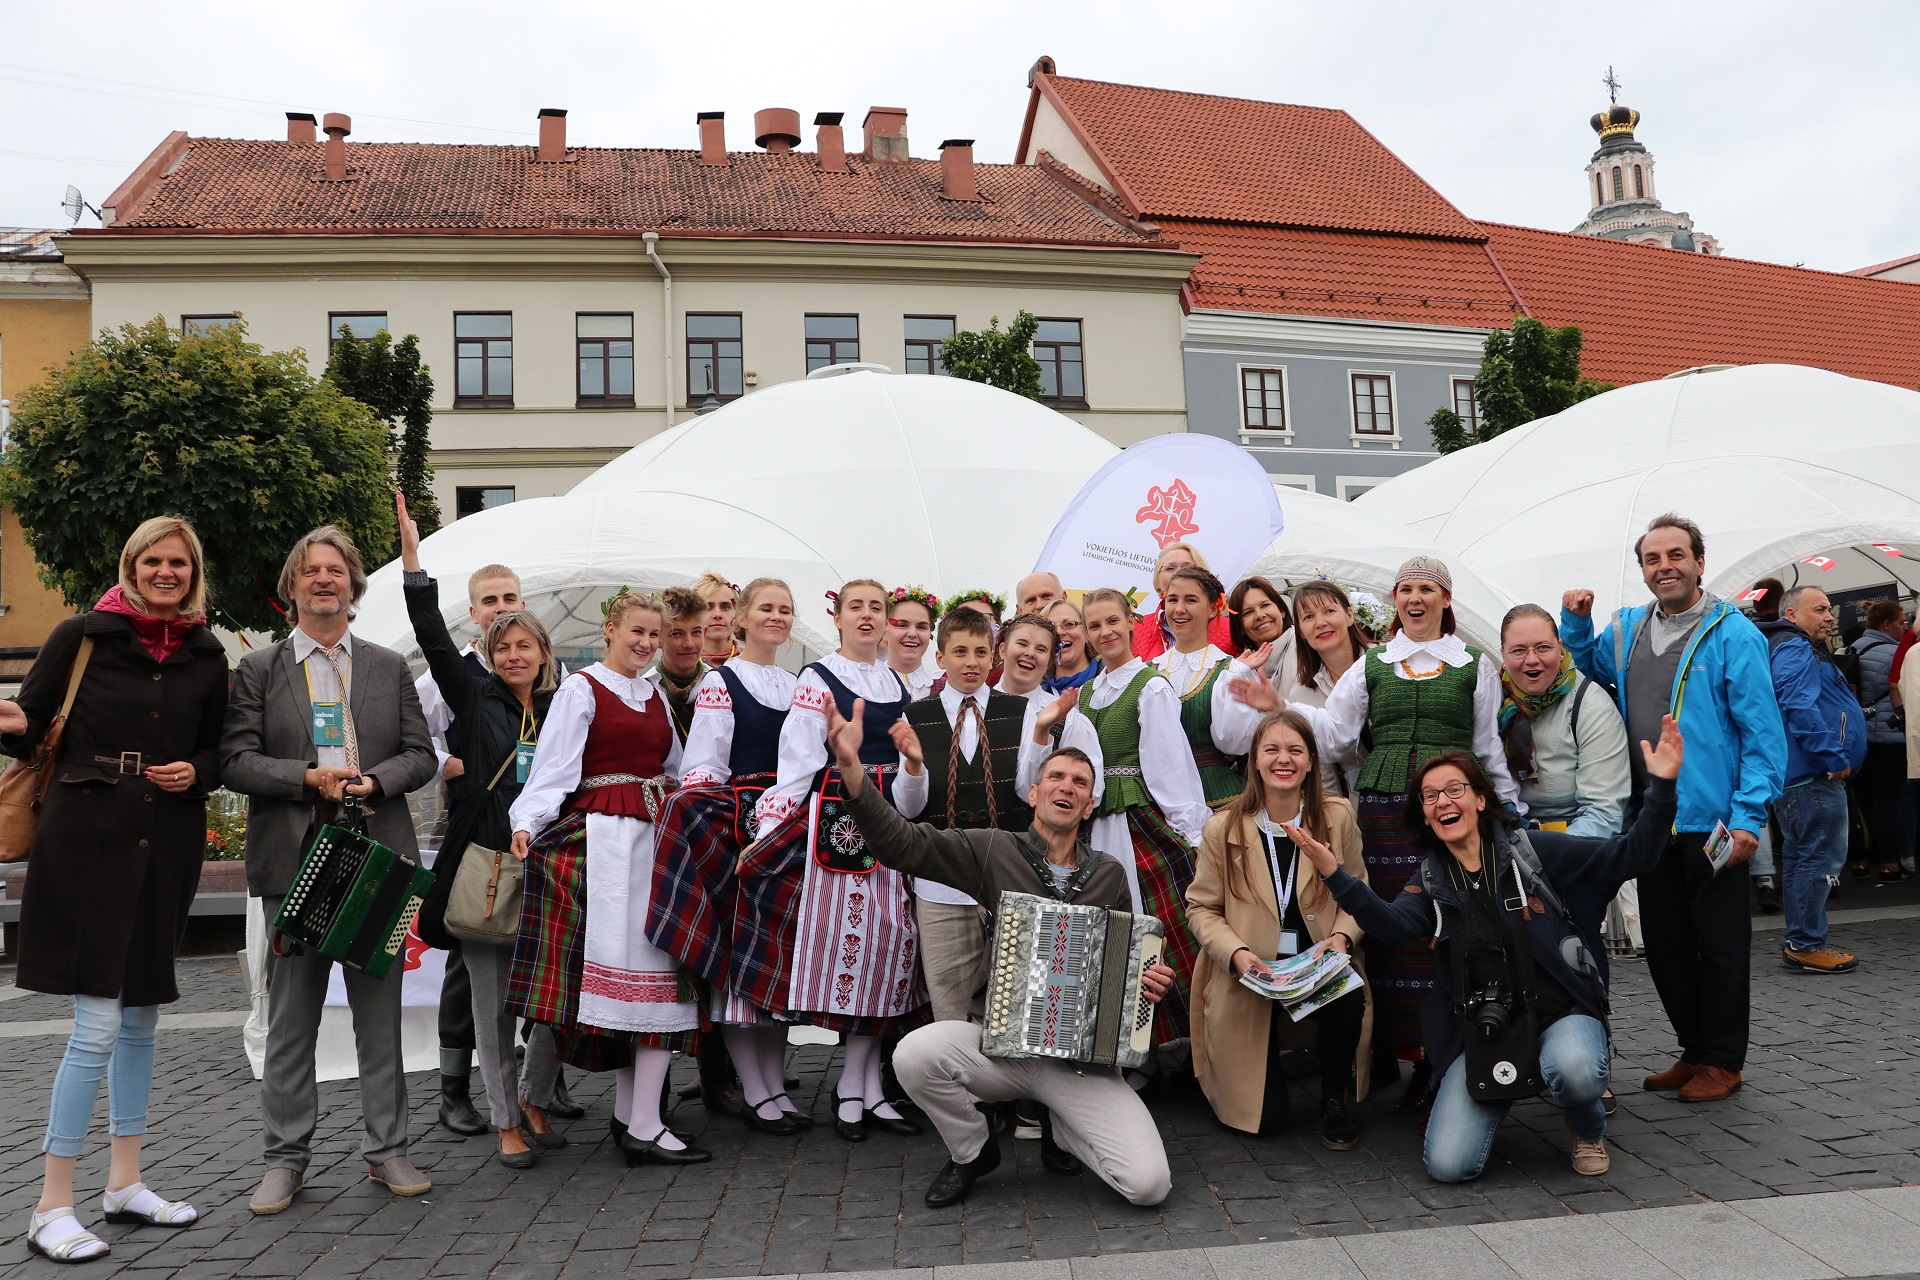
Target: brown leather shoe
(1710, 1084)
(1672, 1078)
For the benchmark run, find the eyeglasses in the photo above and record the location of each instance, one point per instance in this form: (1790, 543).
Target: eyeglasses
(1452, 791)
(1520, 652)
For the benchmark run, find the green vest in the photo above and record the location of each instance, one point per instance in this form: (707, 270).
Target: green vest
(1414, 720)
(1222, 777)
(1118, 724)
(1006, 715)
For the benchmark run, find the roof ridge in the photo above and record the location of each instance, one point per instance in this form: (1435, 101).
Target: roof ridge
(1215, 97)
(1708, 257)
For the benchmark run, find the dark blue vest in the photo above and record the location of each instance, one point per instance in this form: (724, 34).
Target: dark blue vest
(756, 730)
(876, 744)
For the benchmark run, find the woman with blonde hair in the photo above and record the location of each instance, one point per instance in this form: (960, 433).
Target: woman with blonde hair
(1152, 636)
(1256, 900)
(116, 860)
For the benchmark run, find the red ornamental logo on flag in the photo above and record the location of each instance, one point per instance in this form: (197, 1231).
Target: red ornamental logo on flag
(1170, 511)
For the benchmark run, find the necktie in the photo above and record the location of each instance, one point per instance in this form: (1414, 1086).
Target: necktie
(969, 711)
(333, 657)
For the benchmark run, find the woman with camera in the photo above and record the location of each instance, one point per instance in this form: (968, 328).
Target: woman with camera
(1517, 1002)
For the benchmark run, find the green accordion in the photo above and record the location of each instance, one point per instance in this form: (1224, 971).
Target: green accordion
(353, 899)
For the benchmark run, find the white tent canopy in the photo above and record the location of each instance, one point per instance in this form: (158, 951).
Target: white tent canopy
(1362, 549)
(932, 481)
(1773, 462)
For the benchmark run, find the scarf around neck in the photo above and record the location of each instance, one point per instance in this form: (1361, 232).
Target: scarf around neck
(1518, 710)
(160, 637)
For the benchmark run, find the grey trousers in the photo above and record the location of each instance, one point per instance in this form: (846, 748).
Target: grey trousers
(1096, 1117)
(506, 1080)
(289, 1097)
(953, 956)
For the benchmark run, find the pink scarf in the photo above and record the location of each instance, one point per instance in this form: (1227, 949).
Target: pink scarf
(160, 637)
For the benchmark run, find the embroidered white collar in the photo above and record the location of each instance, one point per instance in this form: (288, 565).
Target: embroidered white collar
(1451, 650)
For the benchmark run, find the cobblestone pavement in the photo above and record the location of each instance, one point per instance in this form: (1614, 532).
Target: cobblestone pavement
(1832, 1102)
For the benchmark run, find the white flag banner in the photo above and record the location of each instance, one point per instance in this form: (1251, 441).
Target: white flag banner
(1175, 488)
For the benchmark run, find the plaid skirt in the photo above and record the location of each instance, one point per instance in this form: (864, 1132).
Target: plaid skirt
(548, 955)
(1164, 863)
(1401, 976)
(690, 913)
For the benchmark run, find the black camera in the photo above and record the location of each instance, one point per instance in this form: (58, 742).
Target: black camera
(1492, 1012)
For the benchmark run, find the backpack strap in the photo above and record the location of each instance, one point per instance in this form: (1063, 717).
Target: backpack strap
(1573, 715)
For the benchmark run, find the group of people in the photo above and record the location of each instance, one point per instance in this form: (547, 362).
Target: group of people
(716, 849)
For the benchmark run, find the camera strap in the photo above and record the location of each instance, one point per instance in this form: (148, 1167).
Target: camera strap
(1507, 1067)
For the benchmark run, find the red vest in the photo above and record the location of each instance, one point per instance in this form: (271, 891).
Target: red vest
(622, 740)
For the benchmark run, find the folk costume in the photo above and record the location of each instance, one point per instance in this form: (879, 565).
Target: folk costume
(1151, 812)
(583, 963)
(1219, 727)
(1338, 772)
(1419, 697)
(1153, 637)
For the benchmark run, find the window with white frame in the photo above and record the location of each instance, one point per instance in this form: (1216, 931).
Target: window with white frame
(1263, 399)
(1466, 405)
(1372, 404)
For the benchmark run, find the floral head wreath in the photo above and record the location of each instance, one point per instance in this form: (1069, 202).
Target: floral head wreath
(997, 603)
(1368, 609)
(606, 606)
(918, 595)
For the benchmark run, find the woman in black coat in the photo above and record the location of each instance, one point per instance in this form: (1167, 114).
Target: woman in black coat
(116, 860)
(498, 717)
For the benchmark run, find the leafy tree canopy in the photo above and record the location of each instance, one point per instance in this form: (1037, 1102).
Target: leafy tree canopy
(245, 444)
(998, 358)
(388, 378)
(1528, 372)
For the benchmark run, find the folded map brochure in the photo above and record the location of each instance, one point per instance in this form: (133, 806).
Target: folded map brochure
(1719, 847)
(1305, 982)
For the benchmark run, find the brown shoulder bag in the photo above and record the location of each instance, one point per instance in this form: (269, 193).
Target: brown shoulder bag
(23, 787)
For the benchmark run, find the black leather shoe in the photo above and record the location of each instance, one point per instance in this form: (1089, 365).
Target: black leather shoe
(1421, 1087)
(1053, 1157)
(951, 1184)
(456, 1108)
(782, 1126)
(893, 1124)
(520, 1159)
(563, 1107)
(636, 1153)
(1337, 1132)
(849, 1130)
(799, 1118)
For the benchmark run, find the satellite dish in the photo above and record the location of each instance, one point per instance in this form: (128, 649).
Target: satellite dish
(74, 204)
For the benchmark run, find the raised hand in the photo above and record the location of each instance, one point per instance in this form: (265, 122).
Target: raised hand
(907, 743)
(845, 735)
(1579, 603)
(1318, 854)
(1663, 759)
(409, 534)
(1053, 713)
(1256, 691)
(1257, 658)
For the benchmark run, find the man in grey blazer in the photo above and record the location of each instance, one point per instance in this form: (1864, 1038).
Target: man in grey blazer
(315, 717)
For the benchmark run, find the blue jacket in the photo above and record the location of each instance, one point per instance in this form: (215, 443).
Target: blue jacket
(1826, 729)
(1723, 701)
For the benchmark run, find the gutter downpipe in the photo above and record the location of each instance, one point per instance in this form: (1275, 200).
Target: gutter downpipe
(652, 239)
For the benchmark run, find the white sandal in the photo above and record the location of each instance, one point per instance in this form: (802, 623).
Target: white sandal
(137, 1204)
(77, 1245)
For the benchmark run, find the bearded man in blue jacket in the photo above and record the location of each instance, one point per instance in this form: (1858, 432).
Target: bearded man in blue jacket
(1697, 658)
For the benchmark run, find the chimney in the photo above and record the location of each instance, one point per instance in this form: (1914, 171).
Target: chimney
(831, 142)
(553, 135)
(956, 170)
(713, 137)
(337, 128)
(300, 127)
(777, 129)
(886, 134)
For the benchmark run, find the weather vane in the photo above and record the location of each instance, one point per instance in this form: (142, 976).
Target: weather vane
(1613, 86)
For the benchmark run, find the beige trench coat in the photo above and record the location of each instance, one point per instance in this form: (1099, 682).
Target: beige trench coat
(1231, 1023)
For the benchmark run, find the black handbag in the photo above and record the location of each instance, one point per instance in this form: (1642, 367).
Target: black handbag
(1506, 1067)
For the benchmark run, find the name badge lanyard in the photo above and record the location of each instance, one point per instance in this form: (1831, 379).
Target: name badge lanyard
(523, 749)
(329, 718)
(1283, 891)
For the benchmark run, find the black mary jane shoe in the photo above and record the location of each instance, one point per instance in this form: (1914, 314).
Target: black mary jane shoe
(849, 1130)
(618, 1128)
(781, 1126)
(1054, 1158)
(955, 1180)
(800, 1118)
(636, 1152)
(899, 1125)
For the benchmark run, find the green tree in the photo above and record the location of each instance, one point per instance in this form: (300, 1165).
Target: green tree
(1528, 372)
(388, 378)
(998, 358)
(244, 443)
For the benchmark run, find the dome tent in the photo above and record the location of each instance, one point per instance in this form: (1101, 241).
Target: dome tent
(1773, 462)
(851, 472)
(1363, 550)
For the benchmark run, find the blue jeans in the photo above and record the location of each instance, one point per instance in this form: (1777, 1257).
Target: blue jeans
(1573, 1059)
(112, 1041)
(1762, 864)
(1813, 833)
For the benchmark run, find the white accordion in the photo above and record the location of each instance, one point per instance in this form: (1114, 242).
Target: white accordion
(1065, 982)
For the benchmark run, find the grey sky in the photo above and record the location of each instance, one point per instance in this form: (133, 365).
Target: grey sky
(1787, 130)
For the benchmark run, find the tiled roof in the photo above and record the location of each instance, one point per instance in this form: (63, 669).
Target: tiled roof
(1196, 155)
(1889, 265)
(1339, 273)
(29, 242)
(1645, 311)
(227, 186)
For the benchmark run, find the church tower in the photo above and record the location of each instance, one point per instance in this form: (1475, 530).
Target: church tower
(1620, 186)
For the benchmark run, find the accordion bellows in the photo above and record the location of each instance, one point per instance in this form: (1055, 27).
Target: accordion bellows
(353, 900)
(1065, 982)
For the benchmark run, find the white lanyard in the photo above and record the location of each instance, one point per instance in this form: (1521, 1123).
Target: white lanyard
(1282, 886)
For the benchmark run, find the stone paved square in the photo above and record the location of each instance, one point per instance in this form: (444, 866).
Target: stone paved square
(1832, 1103)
